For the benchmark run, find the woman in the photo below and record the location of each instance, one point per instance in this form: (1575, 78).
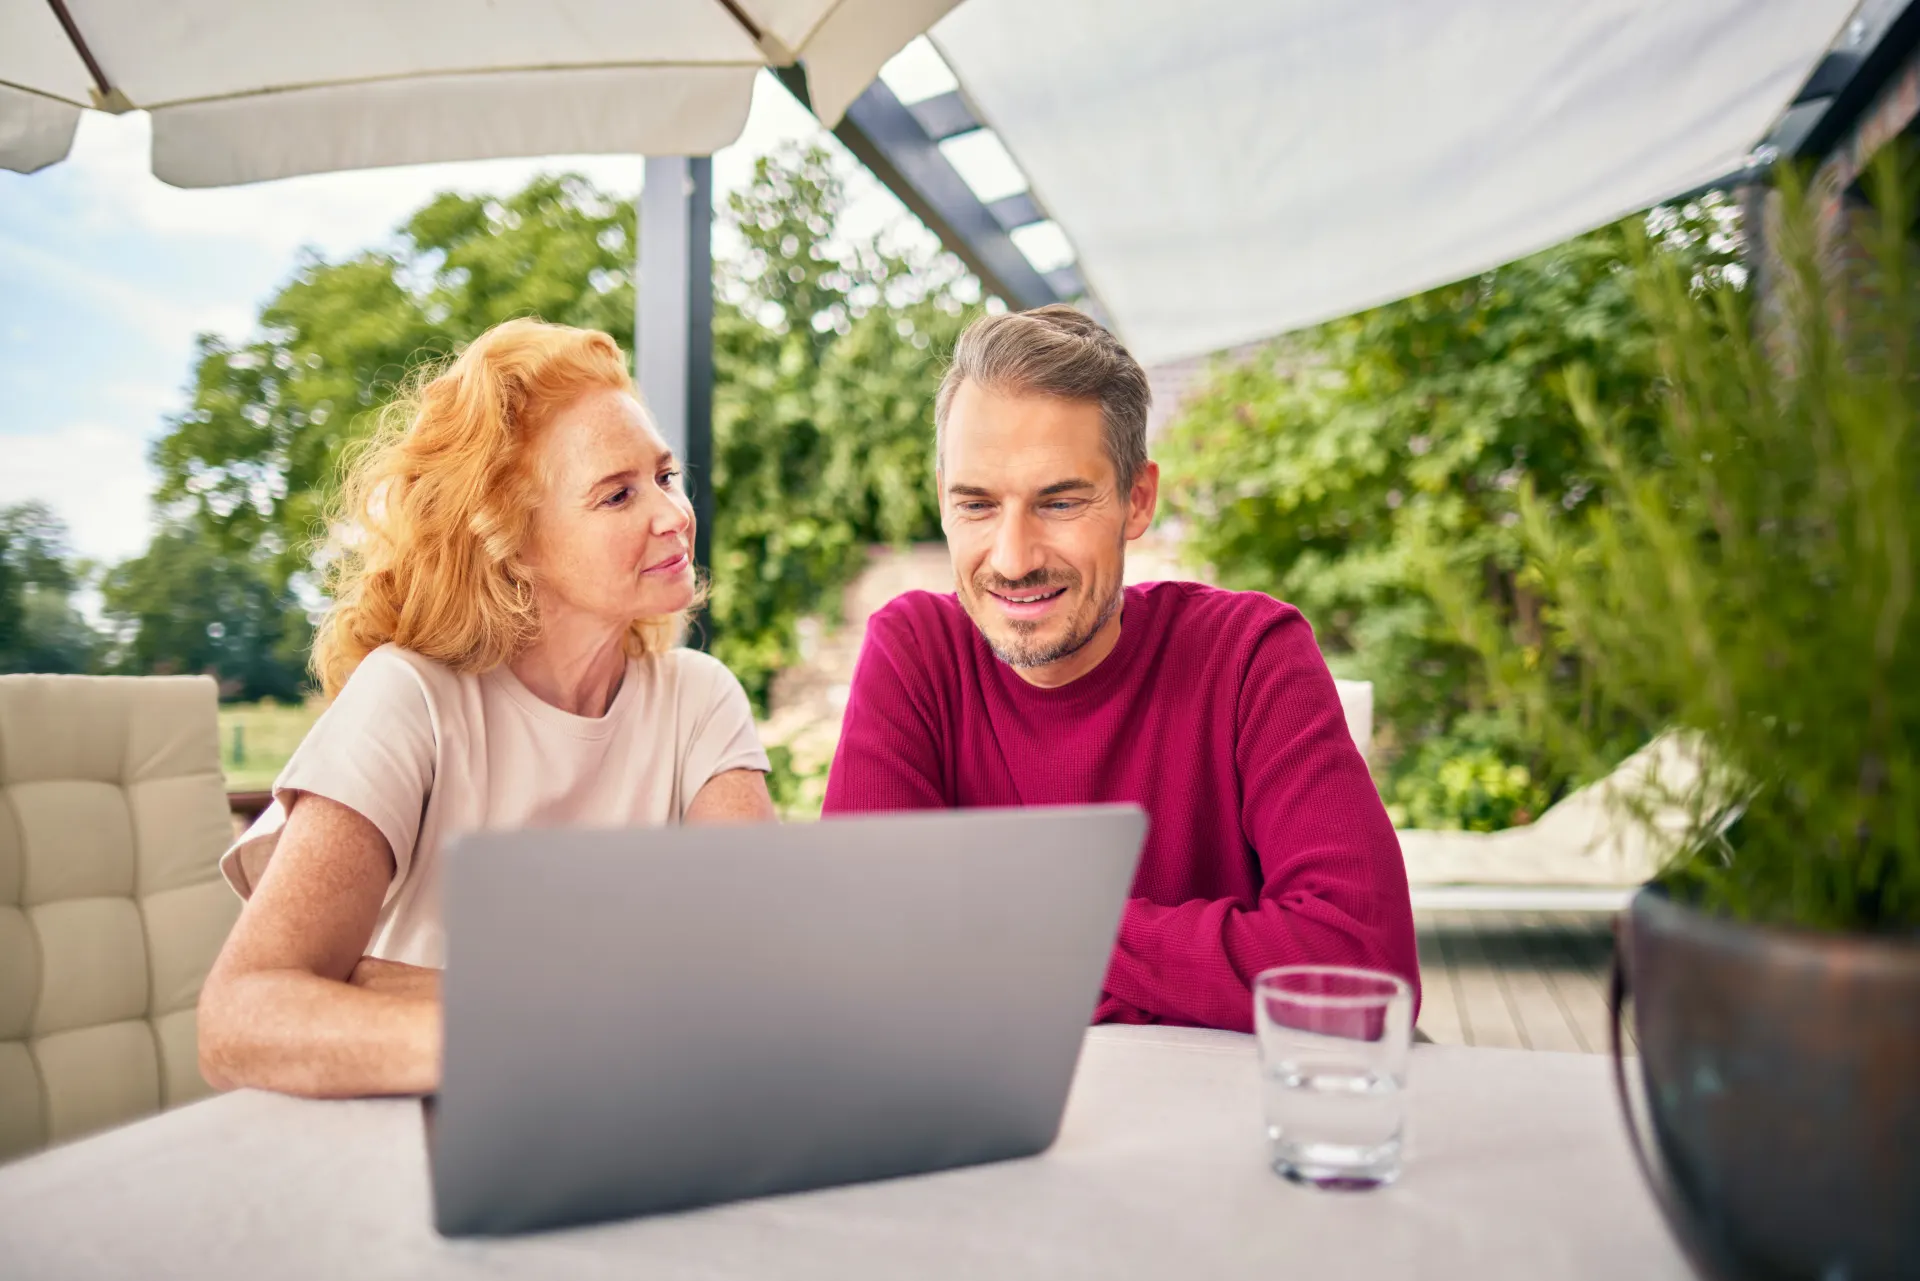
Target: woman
(510, 571)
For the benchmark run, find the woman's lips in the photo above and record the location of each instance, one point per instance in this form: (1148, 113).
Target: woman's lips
(672, 565)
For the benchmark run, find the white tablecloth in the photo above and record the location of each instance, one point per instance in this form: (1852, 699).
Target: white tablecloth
(1519, 1169)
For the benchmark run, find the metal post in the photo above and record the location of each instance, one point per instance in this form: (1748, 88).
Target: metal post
(673, 322)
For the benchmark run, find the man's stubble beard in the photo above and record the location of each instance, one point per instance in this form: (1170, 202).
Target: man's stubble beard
(1019, 653)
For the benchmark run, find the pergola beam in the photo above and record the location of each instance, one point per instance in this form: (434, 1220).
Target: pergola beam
(890, 140)
(673, 322)
(902, 150)
(1016, 211)
(944, 116)
(1856, 81)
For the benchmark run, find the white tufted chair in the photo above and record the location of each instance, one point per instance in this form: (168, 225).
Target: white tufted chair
(112, 818)
(1356, 701)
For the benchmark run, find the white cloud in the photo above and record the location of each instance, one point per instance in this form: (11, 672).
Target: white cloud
(160, 316)
(148, 399)
(94, 476)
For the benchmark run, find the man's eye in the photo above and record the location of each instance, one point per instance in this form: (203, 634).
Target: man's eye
(1063, 505)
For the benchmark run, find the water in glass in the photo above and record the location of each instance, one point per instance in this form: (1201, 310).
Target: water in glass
(1334, 1049)
(1334, 1125)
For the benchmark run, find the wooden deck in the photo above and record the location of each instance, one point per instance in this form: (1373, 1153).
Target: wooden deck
(1516, 980)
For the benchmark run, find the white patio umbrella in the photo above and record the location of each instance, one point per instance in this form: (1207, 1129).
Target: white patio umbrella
(246, 90)
(1228, 170)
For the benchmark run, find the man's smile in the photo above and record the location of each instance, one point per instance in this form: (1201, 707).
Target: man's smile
(1027, 605)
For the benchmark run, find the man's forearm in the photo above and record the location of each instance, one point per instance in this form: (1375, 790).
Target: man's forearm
(1114, 1010)
(1195, 962)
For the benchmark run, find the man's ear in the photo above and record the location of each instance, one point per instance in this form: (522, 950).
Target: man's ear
(1143, 499)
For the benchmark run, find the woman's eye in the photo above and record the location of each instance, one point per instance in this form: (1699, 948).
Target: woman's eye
(668, 479)
(617, 497)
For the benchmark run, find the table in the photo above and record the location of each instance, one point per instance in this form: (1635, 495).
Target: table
(1519, 1169)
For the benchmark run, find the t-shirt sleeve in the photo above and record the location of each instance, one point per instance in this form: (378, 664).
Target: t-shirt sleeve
(718, 730)
(372, 751)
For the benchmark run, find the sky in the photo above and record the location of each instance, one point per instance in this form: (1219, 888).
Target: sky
(107, 274)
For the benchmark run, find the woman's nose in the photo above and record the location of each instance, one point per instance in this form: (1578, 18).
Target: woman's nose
(672, 515)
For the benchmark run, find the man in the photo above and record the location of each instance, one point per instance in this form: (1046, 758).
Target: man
(1044, 682)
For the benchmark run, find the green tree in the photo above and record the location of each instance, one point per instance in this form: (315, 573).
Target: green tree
(189, 606)
(1367, 467)
(826, 356)
(40, 631)
(250, 463)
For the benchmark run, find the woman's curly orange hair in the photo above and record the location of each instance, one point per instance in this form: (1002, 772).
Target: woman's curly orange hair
(427, 531)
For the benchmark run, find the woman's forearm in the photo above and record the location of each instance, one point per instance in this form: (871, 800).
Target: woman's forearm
(293, 1031)
(396, 977)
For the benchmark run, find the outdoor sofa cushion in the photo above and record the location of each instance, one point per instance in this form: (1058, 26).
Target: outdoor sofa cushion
(1592, 838)
(112, 818)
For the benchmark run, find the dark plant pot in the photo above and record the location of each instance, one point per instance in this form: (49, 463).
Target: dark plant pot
(1782, 1078)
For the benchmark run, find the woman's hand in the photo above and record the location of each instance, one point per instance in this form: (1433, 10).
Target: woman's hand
(280, 1009)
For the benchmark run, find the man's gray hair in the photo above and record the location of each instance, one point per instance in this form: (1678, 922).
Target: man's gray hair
(1058, 351)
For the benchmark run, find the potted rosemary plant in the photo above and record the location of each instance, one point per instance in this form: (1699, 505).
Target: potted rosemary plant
(1749, 581)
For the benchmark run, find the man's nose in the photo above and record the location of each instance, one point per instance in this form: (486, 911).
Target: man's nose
(1016, 549)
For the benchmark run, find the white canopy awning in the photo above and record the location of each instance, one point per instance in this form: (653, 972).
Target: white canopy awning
(245, 90)
(1229, 170)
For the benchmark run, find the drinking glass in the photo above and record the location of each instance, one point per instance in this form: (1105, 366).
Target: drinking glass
(1334, 1044)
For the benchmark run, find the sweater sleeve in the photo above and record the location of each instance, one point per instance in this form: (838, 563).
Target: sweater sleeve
(1333, 887)
(889, 754)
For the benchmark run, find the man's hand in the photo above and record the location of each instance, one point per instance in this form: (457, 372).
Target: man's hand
(376, 975)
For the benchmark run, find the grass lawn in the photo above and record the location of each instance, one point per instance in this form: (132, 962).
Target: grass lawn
(257, 738)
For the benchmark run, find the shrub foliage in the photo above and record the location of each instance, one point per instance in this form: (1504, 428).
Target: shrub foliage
(1364, 468)
(1752, 579)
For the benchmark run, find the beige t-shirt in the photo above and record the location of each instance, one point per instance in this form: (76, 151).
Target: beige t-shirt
(425, 753)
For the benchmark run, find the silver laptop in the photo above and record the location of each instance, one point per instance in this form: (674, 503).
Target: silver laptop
(650, 1020)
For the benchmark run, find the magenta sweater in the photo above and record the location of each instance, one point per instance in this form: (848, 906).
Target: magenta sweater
(1267, 843)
